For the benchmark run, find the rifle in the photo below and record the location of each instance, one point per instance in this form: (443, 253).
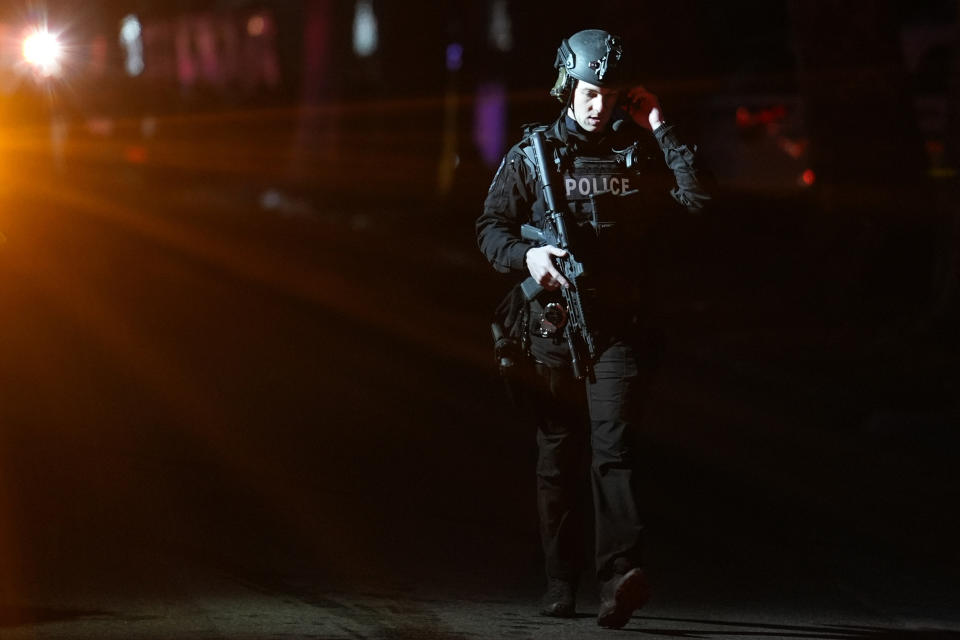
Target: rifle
(582, 348)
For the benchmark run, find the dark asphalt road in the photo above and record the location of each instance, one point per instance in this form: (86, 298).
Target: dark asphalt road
(223, 422)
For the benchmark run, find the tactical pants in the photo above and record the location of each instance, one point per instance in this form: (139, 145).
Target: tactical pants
(604, 416)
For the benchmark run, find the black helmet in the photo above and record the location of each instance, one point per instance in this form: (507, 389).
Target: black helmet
(592, 55)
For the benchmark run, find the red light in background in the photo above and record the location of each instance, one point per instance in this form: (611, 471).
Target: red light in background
(770, 116)
(793, 148)
(808, 177)
(256, 26)
(135, 154)
(773, 114)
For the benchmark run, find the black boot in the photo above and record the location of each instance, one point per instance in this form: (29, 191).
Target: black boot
(620, 596)
(559, 601)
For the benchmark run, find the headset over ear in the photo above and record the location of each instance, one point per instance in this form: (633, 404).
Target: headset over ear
(563, 87)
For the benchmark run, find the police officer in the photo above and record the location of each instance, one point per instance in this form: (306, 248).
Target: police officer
(617, 165)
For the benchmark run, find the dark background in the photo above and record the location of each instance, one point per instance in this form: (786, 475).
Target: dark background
(244, 325)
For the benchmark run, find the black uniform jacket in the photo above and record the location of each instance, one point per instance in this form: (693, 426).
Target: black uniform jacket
(661, 180)
(514, 192)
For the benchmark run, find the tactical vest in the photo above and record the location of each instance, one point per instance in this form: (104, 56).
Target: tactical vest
(607, 197)
(609, 201)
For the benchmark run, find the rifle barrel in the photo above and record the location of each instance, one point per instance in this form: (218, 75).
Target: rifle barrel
(546, 176)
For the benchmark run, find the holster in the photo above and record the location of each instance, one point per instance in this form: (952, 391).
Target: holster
(511, 340)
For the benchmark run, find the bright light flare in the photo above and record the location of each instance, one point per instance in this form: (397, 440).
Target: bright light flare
(42, 50)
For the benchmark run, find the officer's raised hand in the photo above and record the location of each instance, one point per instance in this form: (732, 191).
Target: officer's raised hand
(644, 108)
(543, 270)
